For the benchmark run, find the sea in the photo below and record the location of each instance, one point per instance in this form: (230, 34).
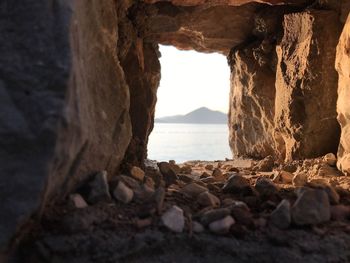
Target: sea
(185, 142)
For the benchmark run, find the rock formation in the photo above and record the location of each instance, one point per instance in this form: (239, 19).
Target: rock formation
(78, 82)
(343, 103)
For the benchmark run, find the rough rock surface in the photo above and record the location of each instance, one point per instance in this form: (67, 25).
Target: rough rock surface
(252, 99)
(64, 102)
(306, 85)
(343, 106)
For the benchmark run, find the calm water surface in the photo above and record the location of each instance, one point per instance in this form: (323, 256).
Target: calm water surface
(183, 142)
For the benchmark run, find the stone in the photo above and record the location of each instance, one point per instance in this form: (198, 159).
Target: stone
(312, 207)
(266, 187)
(340, 212)
(217, 174)
(185, 178)
(286, 177)
(197, 227)
(222, 226)
(300, 90)
(186, 169)
(131, 183)
(204, 175)
(123, 193)
(209, 167)
(237, 184)
(174, 219)
(78, 201)
(58, 131)
(169, 175)
(333, 195)
(265, 165)
(208, 199)
(159, 197)
(252, 101)
(175, 167)
(149, 182)
(325, 170)
(137, 173)
(330, 159)
(242, 215)
(300, 179)
(281, 216)
(343, 107)
(214, 215)
(98, 188)
(193, 190)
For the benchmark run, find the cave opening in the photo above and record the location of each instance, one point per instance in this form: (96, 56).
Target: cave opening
(74, 184)
(192, 105)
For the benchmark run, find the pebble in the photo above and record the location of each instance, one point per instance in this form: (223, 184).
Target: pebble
(208, 199)
(209, 167)
(242, 215)
(266, 187)
(214, 215)
(333, 195)
(265, 165)
(99, 189)
(204, 175)
(193, 190)
(197, 227)
(174, 219)
(123, 193)
(299, 179)
(137, 173)
(330, 159)
(284, 177)
(222, 226)
(312, 207)
(169, 175)
(217, 174)
(237, 184)
(186, 169)
(281, 216)
(78, 201)
(185, 178)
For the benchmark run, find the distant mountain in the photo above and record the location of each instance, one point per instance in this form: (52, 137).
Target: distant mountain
(201, 115)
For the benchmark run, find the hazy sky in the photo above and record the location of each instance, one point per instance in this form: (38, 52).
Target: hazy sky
(191, 80)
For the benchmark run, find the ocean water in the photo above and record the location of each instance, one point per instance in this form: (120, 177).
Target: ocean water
(184, 142)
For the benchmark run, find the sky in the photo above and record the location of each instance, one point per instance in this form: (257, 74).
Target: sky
(191, 80)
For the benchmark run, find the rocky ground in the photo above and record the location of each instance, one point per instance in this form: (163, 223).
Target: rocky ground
(221, 211)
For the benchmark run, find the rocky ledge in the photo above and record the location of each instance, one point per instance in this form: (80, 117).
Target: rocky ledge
(233, 209)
